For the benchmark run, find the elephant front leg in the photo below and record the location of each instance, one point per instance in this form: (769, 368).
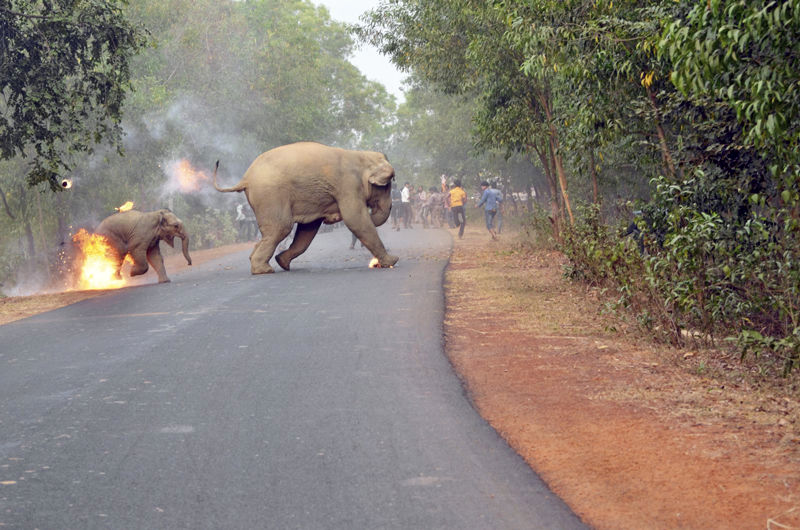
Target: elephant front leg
(359, 222)
(157, 261)
(139, 265)
(303, 236)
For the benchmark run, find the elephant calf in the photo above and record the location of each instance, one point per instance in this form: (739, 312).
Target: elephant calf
(138, 234)
(309, 183)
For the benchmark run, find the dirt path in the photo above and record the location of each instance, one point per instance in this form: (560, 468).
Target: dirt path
(629, 435)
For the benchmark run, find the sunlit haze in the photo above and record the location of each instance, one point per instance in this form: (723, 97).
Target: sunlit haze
(372, 64)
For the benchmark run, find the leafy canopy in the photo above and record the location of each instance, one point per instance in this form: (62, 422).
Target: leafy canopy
(63, 77)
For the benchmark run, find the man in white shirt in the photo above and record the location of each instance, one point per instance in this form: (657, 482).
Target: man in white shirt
(405, 199)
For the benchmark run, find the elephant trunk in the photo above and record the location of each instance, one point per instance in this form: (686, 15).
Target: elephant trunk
(185, 246)
(381, 208)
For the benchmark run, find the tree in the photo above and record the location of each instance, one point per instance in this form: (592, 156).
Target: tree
(64, 72)
(462, 47)
(746, 54)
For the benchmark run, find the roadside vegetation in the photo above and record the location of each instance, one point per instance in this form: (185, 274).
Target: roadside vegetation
(654, 143)
(667, 134)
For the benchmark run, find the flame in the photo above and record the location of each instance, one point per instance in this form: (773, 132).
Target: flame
(375, 264)
(125, 207)
(98, 264)
(186, 178)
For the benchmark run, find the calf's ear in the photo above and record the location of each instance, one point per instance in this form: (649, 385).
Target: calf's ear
(163, 232)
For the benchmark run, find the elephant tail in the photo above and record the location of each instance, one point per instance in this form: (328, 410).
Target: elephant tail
(238, 187)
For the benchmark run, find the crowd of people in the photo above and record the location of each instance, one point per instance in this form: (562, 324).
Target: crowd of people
(444, 207)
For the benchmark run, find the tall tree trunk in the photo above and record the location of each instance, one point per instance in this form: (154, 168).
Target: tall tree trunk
(593, 173)
(544, 100)
(666, 156)
(5, 204)
(29, 239)
(42, 236)
(556, 214)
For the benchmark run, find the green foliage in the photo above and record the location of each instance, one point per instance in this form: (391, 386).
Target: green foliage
(273, 70)
(221, 80)
(747, 54)
(537, 230)
(431, 137)
(209, 228)
(700, 273)
(733, 275)
(64, 72)
(594, 254)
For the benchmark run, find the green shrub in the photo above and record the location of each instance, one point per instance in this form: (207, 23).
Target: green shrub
(708, 268)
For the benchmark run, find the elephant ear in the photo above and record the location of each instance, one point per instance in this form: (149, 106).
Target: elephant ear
(163, 229)
(381, 174)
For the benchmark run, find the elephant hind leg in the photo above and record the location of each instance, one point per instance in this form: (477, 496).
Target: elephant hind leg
(265, 248)
(118, 268)
(302, 239)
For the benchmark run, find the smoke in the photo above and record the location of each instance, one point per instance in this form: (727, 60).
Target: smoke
(197, 139)
(168, 161)
(30, 282)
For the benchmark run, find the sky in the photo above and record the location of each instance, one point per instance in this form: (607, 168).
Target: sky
(373, 65)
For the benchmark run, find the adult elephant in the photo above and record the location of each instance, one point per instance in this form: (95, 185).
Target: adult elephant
(138, 234)
(309, 183)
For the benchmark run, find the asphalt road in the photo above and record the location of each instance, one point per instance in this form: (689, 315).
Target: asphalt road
(317, 398)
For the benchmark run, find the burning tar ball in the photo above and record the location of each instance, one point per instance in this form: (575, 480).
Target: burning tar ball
(66, 183)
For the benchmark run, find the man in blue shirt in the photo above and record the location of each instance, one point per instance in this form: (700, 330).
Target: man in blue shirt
(490, 201)
(499, 217)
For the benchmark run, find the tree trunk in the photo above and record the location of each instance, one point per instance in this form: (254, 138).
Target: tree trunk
(5, 204)
(555, 146)
(593, 173)
(666, 156)
(29, 239)
(555, 207)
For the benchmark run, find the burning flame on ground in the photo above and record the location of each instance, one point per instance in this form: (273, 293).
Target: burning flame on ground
(98, 266)
(186, 177)
(125, 207)
(375, 264)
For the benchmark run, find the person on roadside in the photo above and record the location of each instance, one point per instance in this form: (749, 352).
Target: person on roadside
(430, 213)
(241, 222)
(405, 198)
(490, 202)
(457, 199)
(421, 197)
(499, 217)
(446, 211)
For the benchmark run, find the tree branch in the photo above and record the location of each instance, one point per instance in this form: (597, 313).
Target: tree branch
(5, 203)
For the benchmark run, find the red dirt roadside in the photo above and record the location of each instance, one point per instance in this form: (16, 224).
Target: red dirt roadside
(629, 435)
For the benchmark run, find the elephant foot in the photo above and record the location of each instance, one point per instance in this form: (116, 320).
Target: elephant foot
(388, 260)
(283, 260)
(261, 269)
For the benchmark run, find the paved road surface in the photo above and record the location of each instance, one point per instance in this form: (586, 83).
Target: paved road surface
(319, 398)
